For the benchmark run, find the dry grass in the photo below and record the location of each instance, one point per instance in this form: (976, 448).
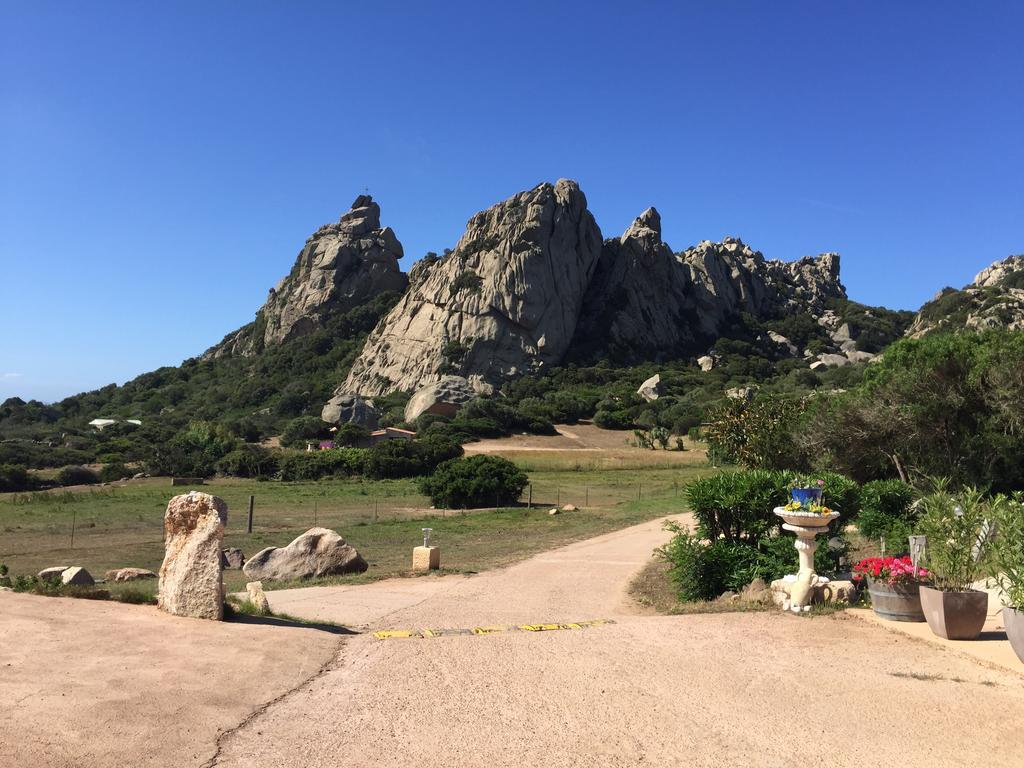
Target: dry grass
(122, 525)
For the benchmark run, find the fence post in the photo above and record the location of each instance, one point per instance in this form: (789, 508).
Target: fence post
(558, 496)
(639, 490)
(375, 510)
(586, 503)
(248, 525)
(314, 514)
(529, 503)
(74, 517)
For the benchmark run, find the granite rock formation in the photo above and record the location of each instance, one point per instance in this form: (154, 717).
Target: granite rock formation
(994, 299)
(341, 266)
(191, 576)
(503, 303)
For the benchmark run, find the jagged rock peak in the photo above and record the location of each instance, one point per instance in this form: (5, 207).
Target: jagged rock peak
(647, 222)
(998, 272)
(341, 266)
(504, 302)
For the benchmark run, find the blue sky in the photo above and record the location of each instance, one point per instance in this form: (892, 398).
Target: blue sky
(162, 164)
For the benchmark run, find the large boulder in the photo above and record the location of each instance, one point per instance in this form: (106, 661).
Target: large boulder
(342, 266)
(504, 303)
(317, 552)
(347, 408)
(651, 389)
(444, 398)
(191, 577)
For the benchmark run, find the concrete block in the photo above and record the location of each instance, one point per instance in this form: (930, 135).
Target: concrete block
(426, 558)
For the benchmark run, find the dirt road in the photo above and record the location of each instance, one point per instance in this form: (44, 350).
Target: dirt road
(730, 689)
(89, 684)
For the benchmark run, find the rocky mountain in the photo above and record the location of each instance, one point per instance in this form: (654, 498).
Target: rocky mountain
(531, 285)
(342, 266)
(504, 302)
(995, 299)
(645, 302)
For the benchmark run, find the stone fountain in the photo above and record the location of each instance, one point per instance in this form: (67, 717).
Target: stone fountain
(806, 525)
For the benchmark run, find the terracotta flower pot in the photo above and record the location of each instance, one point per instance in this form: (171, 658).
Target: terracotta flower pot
(1013, 618)
(954, 615)
(895, 602)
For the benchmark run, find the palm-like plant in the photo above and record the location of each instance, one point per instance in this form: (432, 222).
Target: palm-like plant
(960, 531)
(1008, 549)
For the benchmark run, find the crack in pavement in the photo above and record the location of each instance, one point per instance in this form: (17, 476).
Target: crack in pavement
(333, 663)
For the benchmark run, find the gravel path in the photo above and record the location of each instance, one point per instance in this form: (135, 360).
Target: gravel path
(762, 689)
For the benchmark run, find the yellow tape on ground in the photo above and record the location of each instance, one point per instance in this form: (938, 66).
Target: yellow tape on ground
(494, 629)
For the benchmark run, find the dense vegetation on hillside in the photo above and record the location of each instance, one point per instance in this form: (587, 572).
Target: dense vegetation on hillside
(947, 405)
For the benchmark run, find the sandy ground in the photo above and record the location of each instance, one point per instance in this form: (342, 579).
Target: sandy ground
(90, 683)
(697, 690)
(759, 689)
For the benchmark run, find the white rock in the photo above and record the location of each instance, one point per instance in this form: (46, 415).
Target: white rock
(191, 577)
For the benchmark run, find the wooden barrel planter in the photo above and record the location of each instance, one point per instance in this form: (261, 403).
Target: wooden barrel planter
(899, 602)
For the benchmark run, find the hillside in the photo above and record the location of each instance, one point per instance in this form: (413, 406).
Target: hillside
(533, 304)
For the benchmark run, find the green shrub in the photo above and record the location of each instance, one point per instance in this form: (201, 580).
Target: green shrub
(737, 505)
(757, 434)
(248, 461)
(111, 473)
(886, 513)
(476, 481)
(77, 476)
(314, 465)
(702, 571)
(305, 429)
(15, 478)
(194, 451)
(351, 435)
(394, 459)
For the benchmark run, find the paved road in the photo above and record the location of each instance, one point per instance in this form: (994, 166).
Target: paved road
(707, 690)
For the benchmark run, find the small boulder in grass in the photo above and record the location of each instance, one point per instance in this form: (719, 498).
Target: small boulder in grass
(129, 574)
(77, 576)
(553, 511)
(258, 597)
(569, 507)
(232, 558)
(52, 573)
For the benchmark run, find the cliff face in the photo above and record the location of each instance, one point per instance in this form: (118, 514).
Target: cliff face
(504, 302)
(995, 299)
(341, 266)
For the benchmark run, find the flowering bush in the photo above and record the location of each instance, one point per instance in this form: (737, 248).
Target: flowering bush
(891, 570)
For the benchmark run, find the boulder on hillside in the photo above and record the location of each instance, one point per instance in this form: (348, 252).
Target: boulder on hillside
(706, 363)
(651, 389)
(191, 577)
(317, 552)
(444, 398)
(129, 574)
(834, 361)
(347, 408)
(740, 393)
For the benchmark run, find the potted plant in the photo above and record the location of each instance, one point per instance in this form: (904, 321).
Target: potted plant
(1008, 559)
(959, 533)
(894, 585)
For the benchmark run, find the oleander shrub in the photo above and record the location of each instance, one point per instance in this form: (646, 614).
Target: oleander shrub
(737, 505)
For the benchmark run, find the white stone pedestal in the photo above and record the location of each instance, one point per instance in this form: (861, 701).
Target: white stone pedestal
(426, 558)
(806, 526)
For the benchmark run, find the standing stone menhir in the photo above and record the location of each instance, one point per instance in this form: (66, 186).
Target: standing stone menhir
(191, 577)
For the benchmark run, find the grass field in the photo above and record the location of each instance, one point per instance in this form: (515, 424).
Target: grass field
(122, 525)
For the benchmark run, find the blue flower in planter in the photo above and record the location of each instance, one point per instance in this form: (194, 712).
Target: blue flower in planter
(806, 496)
